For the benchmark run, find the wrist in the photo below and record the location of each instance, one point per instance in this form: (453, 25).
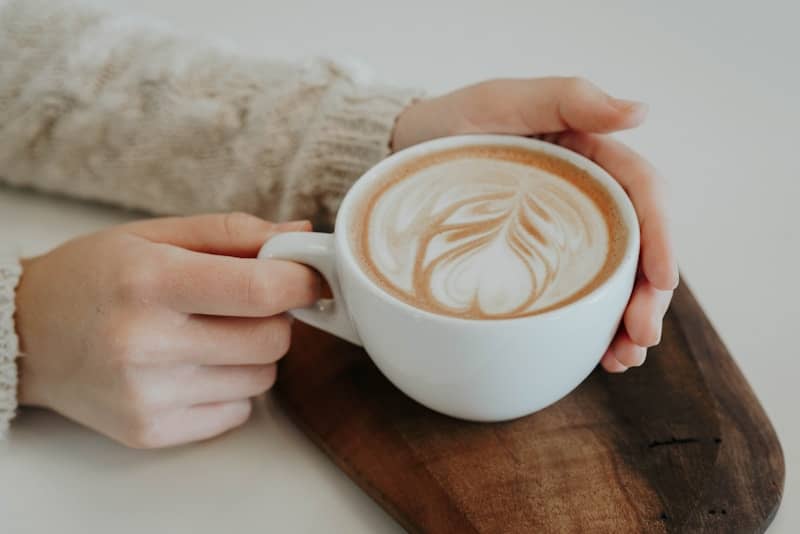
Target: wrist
(26, 303)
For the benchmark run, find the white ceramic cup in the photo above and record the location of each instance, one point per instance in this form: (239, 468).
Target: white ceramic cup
(481, 370)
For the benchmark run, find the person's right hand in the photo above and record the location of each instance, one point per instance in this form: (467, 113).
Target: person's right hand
(158, 332)
(575, 114)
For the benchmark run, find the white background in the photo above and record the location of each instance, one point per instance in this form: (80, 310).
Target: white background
(722, 80)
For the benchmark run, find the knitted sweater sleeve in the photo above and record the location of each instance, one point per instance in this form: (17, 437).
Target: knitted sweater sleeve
(9, 277)
(127, 112)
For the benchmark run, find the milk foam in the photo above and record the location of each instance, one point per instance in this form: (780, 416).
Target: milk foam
(485, 237)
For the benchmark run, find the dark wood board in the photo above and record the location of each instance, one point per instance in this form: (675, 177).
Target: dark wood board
(678, 445)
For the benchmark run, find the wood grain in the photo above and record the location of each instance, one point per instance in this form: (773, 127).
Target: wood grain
(678, 445)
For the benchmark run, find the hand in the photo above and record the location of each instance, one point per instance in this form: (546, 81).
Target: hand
(158, 332)
(573, 113)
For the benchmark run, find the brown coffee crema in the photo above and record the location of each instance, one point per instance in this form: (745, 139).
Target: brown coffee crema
(488, 232)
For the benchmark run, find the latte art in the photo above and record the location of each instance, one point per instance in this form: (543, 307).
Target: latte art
(487, 232)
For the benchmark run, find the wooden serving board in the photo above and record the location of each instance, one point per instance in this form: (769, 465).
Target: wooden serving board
(678, 445)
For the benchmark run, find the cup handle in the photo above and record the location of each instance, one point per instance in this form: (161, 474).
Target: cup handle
(317, 250)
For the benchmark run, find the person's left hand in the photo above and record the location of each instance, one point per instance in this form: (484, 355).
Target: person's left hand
(573, 113)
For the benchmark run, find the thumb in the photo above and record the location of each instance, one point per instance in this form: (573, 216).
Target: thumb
(230, 234)
(546, 105)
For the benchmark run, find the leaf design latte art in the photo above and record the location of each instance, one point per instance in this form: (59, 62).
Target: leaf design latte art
(484, 238)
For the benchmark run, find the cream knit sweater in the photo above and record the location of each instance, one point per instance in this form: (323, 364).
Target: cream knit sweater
(125, 112)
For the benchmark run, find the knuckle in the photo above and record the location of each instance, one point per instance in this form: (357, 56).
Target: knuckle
(139, 278)
(310, 286)
(482, 94)
(138, 399)
(260, 291)
(577, 86)
(273, 288)
(126, 342)
(142, 430)
(481, 88)
(467, 104)
(489, 88)
(144, 433)
(237, 223)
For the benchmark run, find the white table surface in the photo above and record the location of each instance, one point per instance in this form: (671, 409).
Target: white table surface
(723, 82)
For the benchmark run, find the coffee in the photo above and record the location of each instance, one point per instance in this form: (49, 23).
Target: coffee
(488, 232)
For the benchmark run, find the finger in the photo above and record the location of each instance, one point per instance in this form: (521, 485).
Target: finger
(232, 234)
(610, 364)
(645, 313)
(212, 340)
(542, 105)
(645, 189)
(194, 424)
(159, 389)
(626, 351)
(198, 283)
(212, 384)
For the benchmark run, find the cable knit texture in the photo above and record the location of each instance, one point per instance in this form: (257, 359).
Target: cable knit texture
(10, 272)
(127, 112)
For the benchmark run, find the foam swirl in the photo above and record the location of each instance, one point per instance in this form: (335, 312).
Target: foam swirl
(484, 238)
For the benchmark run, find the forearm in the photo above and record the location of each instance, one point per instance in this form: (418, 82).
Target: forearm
(107, 109)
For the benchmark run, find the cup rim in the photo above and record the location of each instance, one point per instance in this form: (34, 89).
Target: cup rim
(345, 252)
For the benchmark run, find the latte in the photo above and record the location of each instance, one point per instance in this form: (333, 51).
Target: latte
(488, 232)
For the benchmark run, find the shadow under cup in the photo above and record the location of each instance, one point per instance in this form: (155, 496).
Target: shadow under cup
(475, 369)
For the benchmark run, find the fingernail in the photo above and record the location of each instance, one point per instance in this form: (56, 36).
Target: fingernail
(676, 280)
(617, 368)
(628, 105)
